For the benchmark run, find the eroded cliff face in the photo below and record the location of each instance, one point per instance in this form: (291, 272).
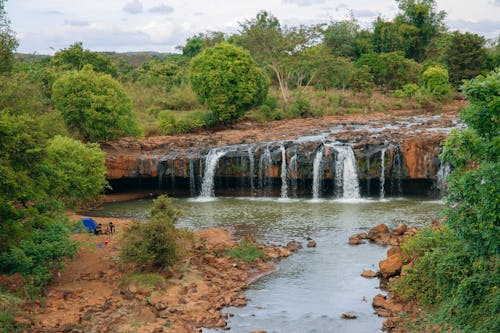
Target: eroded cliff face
(391, 151)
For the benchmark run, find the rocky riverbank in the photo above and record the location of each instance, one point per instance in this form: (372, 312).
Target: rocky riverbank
(92, 295)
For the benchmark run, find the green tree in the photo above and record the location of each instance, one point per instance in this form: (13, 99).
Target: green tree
(275, 47)
(386, 36)
(8, 42)
(340, 38)
(197, 43)
(94, 105)
(435, 79)
(75, 58)
(75, 171)
(464, 56)
(228, 81)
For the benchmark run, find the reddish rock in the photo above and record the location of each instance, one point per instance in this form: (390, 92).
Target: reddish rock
(380, 234)
(391, 266)
(355, 240)
(293, 246)
(368, 273)
(398, 231)
(311, 243)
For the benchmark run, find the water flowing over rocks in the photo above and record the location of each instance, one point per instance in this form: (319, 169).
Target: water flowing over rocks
(373, 154)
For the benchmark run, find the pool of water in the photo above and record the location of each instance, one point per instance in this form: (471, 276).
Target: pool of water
(311, 289)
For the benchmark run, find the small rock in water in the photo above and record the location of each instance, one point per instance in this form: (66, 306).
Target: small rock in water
(368, 273)
(311, 243)
(349, 315)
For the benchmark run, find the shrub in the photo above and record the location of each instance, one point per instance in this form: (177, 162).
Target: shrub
(147, 280)
(166, 122)
(408, 90)
(228, 81)
(246, 251)
(301, 108)
(435, 80)
(156, 242)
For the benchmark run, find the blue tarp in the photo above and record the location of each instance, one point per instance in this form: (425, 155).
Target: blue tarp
(89, 223)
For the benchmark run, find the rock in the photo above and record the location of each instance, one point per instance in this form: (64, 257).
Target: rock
(311, 243)
(380, 234)
(355, 240)
(293, 246)
(394, 250)
(127, 295)
(385, 307)
(240, 302)
(348, 315)
(389, 324)
(13, 283)
(398, 231)
(22, 321)
(133, 289)
(368, 273)
(158, 329)
(390, 266)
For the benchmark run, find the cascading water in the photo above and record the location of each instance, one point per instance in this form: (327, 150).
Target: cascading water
(292, 173)
(192, 179)
(251, 168)
(382, 173)
(284, 185)
(346, 174)
(397, 168)
(265, 165)
(211, 162)
(443, 172)
(317, 173)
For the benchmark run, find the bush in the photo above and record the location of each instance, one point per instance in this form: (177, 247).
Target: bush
(246, 251)
(408, 90)
(301, 108)
(435, 81)
(228, 81)
(189, 122)
(94, 105)
(156, 242)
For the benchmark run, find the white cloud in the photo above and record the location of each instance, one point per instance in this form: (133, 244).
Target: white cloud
(304, 2)
(161, 9)
(133, 7)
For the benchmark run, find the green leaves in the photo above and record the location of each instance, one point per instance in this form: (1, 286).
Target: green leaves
(228, 81)
(94, 105)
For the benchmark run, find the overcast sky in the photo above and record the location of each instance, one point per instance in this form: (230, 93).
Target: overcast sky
(45, 26)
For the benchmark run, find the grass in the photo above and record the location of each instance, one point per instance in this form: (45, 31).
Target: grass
(246, 251)
(145, 280)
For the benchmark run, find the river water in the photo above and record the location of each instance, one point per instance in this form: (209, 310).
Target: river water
(311, 289)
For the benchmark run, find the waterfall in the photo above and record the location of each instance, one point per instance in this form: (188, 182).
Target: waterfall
(397, 165)
(368, 176)
(192, 179)
(346, 175)
(317, 173)
(443, 172)
(382, 173)
(292, 173)
(251, 168)
(211, 162)
(265, 165)
(284, 185)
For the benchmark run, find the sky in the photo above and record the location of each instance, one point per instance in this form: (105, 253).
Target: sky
(46, 26)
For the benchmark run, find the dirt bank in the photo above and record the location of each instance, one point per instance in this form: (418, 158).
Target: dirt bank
(90, 294)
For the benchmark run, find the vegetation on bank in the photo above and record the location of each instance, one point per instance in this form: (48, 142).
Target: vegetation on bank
(456, 273)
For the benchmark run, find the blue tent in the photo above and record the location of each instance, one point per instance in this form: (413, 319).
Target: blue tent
(89, 223)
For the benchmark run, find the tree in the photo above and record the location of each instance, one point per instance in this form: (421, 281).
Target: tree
(75, 170)
(464, 56)
(418, 23)
(340, 38)
(386, 36)
(197, 43)
(435, 79)
(275, 47)
(228, 81)
(8, 42)
(75, 58)
(94, 105)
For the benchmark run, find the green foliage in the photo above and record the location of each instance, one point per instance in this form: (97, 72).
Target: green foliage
(94, 105)
(75, 170)
(361, 79)
(147, 280)
(188, 122)
(246, 251)
(156, 242)
(408, 90)
(75, 58)
(228, 81)
(164, 74)
(199, 42)
(464, 56)
(457, 268)
(340, 38)
(435, 80)
(8, 41)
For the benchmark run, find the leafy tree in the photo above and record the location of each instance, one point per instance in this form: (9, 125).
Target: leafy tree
(386, 36)
(75, 170)
(340, 38)
(156, 242)
(376, 66)
(418, 23)
(464, 56)
(75, 58)
(228, 81)
(8, 42)
(165, 74)
(275, 47)
(94, 105)
(435, 80)
(197, 43)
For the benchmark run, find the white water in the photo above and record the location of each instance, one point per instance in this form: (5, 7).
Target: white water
(317, 174)
(192, 179)
(382, 173)
(292, 173)
(265, 165)
(251, 167)
(443, 172)
(284, 185)
(211, 162)
(346, 173)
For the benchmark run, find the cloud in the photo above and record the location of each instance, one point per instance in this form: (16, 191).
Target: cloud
(363, 13)
(495, 2)
(54, 12)
(133, 7)
(341, 6)
(304, 3)
(488, 28)
(161, 9)
(77, 23)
